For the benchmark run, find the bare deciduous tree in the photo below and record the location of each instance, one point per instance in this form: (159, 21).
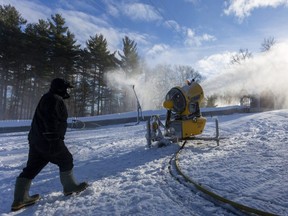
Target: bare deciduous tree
(241, 56)
(267, 44)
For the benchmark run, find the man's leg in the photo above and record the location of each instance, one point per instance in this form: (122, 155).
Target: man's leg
(23, 182)
(64, 160)
(34, 165)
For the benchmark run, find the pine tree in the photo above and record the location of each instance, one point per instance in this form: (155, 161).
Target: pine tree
(101, 60)
(130, 64)
(130, 60)
(11, 55)
(64, 51)
(38, 70)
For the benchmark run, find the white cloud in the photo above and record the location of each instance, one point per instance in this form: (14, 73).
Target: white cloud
(157, 49)
(165, 54)
(196, 40)
(243, 8)
(83, 26)
(190, 37)
(214, 64)
(173, 25)
(192, 1)
(139, 11)
(113, 10)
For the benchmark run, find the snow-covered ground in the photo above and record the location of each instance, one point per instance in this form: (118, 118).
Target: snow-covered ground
(249, 166)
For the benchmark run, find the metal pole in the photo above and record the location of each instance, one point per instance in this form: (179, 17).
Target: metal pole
(139, 109)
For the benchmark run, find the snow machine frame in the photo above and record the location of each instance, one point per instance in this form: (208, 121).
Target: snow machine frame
(183, 118)
(157, 132)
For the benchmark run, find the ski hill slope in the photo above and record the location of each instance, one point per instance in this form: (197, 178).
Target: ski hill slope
(127, 178)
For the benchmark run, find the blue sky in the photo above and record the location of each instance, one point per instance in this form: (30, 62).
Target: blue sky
(200, 33)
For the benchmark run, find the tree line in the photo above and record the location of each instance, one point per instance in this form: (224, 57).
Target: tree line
(32, 54)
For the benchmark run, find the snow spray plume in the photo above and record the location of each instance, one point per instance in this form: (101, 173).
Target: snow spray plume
(118, 80)
(151, 85)
(268, 71)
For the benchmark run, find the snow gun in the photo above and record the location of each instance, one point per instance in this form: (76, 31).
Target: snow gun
(183, 118)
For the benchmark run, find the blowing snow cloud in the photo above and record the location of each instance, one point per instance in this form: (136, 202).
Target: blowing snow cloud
(266, 71)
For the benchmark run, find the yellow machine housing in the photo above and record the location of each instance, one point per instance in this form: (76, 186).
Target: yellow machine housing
(184, 118)
(188, 128)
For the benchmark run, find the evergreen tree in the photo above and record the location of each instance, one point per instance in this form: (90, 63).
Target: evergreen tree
(38, 67)
(64, 51)
(130, 64)
(38, 47)
(130, 60)
(81, 96)
(101, 60)
(11, 55)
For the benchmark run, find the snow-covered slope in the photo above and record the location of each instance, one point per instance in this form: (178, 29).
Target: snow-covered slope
(126, 178)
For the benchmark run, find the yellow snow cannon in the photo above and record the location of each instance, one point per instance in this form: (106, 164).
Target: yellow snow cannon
(183, 111)
(183, 118)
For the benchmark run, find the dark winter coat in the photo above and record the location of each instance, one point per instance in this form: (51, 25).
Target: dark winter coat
(49, 124)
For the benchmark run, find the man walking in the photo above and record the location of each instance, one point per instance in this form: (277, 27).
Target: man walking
(46, 144)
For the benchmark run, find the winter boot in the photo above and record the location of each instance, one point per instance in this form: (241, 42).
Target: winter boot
(21, 194)
(69, 184)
